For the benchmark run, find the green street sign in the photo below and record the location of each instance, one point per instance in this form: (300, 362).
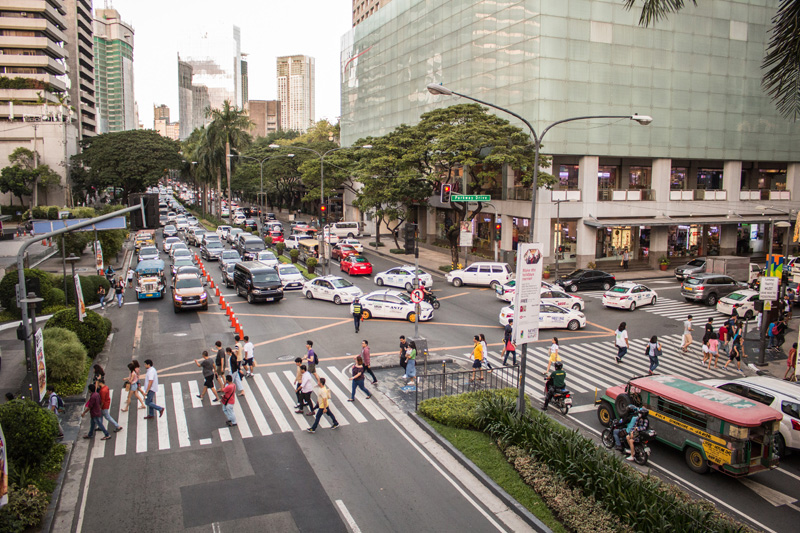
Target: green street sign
(470, 198)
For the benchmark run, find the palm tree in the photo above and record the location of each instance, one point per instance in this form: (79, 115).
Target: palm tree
(229, 128)
(781, 63)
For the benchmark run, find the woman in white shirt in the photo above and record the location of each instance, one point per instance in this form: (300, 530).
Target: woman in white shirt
(621, 341)
(554, 357)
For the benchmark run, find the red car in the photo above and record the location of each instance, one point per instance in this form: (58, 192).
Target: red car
(277, 236)
(341, 251)
(355, 264)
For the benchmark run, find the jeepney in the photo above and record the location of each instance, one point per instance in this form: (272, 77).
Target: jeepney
(712, 427)
(150, 280)
(144, 237)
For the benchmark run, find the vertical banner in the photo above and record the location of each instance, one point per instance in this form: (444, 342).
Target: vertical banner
(527, 293)
(465, 236)
(79, 298)
(41, 369)
(98, 258)
(3, 470)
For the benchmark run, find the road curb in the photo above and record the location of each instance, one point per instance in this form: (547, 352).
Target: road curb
(49, 517)
(488, 482)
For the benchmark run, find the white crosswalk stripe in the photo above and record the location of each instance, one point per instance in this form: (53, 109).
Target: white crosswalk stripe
(267, 407)
(671, 308)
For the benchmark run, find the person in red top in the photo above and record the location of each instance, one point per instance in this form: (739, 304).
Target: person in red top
(228, 399)
(105, 403)
(724, 337)
(93, 407)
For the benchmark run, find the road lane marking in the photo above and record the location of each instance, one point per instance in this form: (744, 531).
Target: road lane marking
(225, 434)
(287, 400)
(301, 333)
(194, 392)
(163, 426)
(141, 433)
(348, 517)
(453, 295)
(137, 334)
(790, 474)
(121, 440)
(180, 415)
(369, 405)
(255, 410)
(241, 421)
(342, 396)
(271, 403)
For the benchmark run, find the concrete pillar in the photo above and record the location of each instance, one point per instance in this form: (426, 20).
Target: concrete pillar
(658, 244)
(793, 180)
(506, 232)
(727, 239)
(588, 168)
(662, 174)
(732, 180)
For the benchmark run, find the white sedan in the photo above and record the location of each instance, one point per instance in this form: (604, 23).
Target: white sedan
(291, 277)
(629, 296)
(403, 277)
(222, 231)
(506, 291)
(550, 317)
(333, 288)
(355, 243)
(268, 258)
(148, 252)
(741, 302)
(393, 304)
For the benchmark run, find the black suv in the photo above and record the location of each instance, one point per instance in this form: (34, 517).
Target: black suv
(587, 279)
(250, 223)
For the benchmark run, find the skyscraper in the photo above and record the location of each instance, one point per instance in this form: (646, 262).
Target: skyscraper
(363, 9)
(80, 63)
(265, 115)
(296, 92)
(216, 60)
(113, 59)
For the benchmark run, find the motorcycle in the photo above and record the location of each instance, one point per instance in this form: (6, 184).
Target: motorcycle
(431, 299)
(562, 399)
(641, 444)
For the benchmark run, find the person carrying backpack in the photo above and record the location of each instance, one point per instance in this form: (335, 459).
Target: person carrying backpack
(772, 333)
(56, 405)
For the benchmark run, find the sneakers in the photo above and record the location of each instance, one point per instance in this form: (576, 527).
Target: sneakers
(119, 428)
(618, 360)
(336, 425)
(310, 430)
(630, 458)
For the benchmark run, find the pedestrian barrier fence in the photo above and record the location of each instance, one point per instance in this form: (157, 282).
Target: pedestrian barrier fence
(447, 383)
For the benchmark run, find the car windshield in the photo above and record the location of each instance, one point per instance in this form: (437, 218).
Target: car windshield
(236, 230)
(404, 298)
(341, 283)
(188, 283)
(230, 254)
(696, 263)
(575, 274)
(213, 244)
(171, 240)
(358, 259)
(182, 262)
(619, 289)
(267, 256)
(736, 296)
(149, 250)
(199, 232)
(253, 246)
(694, 281)
(289, 269)
(188, 270)
(229, 267)
(181, 252)
(266, 277)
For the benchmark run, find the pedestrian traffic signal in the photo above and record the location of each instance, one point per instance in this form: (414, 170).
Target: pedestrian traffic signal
(410, 238)
(498, 231)
(445, 195)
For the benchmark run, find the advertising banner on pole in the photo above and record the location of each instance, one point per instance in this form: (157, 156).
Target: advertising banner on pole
(98, 258)
(527, 293)
(79, 297)
(465, 237)
(41, 369)
(3, 470)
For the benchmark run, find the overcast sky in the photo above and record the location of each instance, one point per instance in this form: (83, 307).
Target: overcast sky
(270, 28)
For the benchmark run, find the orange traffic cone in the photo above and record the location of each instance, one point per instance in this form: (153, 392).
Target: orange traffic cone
(230, 312)
(212, 285)
(216, 289)
(222, 301)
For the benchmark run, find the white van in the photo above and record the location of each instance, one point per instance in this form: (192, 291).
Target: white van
(350, 230)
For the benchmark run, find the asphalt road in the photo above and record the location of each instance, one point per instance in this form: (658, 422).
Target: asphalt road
(199, 474)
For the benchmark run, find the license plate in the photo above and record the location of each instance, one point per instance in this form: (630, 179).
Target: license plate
(688, 288)
(270, 299)
(568, 401)
(149, 295)
(647, 449)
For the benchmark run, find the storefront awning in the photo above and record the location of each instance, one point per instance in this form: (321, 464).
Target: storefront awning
(674, 221)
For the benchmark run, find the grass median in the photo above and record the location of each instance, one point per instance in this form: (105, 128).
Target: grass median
(481, 450)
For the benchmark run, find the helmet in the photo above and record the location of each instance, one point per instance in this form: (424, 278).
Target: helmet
(644, 412)
(559, 365)
(632, 409)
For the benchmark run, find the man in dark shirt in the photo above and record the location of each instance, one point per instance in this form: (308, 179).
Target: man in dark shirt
(559, 377)
(208, 376)
(95, 410)
(219, 364)
(403, 348)
(508, 333)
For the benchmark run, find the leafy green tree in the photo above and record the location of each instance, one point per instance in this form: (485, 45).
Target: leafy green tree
(132, 160)
(781, 63)
(228, 129)
(24, 176)
(16, 180)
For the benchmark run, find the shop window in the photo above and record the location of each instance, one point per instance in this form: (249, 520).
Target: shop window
(709, 179)
(568, 177)
(606, 177)
(639, 178)
(679, 179)
(774, 180)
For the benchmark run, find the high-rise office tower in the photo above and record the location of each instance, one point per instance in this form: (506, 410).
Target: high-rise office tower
(244, 82)
(80, 63)
(296, 92)
(113, 60)
(265, 115)
(161, 112)
(34, 114)
(216, 60)
(363, 9)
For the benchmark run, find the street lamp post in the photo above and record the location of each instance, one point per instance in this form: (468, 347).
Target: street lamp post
(537, 145)
(260, 164)
(321, 155)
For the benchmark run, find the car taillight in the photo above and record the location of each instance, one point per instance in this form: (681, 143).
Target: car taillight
(795, 425)
(699, 287)
(613, 276)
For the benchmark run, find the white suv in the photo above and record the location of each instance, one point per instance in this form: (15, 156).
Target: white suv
(491, 274)
(780, 395)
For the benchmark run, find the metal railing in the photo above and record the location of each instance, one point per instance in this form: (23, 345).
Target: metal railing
(447, 383)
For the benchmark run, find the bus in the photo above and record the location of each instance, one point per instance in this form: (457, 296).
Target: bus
(713, 428)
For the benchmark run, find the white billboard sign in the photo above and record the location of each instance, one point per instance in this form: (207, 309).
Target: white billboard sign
(527, 293)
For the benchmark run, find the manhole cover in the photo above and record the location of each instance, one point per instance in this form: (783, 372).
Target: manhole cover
(285, 357)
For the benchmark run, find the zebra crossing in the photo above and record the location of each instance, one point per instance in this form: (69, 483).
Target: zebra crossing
(672, 308)
(267, 407)
(592, 366)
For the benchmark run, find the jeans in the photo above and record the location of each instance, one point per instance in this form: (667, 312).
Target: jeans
(150, 402)
(237, 380)
(358, 383)
(653, 363)
(97, 422)
(102, 298)
(621, 351)
(119, 299)
(411, 368)
(617, 441)
(228, 410)
(328, 412)
(357, 321)
(107, 416)
(513, 357)
(367, 369)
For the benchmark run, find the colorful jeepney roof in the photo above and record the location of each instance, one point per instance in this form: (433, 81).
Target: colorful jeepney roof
(712, 401)
(150, 266)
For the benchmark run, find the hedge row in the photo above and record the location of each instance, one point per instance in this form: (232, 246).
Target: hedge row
(52, 289)
(92, 332)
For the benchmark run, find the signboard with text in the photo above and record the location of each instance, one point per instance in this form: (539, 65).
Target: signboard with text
(768, 291)
(98, 258)
(528, 292)
(465, 237)
(79, 296)
(41, 369)
(470, 198)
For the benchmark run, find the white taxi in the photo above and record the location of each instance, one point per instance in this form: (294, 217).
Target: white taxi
(741, 302)
(333, 288)
(393, 304)
(629, 296)
(402, 277)
(355, 243)
(550, 317)
(506, 292)
(290, 276)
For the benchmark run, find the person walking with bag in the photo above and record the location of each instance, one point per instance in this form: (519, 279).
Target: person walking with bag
(105, 404)
(56, 406)
(93, 407)
(358, 379)
(403, 350)
(477, 358)
(306, 388)
(687, 334)
(485, 350)
(132, 385)
(207, 364)
(150, 390)
(236, 376)
(554, 356)
(621, 341)
(365, 357)
(101, 296)
(653, 351)
(119, 291)
(508, 333)
(324, 407)
(228, 400)
(411, 362)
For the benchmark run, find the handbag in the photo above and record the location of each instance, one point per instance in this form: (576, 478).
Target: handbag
(510, 347)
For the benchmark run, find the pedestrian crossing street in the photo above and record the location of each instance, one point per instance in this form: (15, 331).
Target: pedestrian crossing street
(672, 308)
(592, 365)
(267, 407)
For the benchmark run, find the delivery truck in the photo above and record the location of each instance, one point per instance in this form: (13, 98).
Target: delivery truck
(739, 268)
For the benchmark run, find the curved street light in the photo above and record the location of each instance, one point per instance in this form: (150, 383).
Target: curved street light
(441, 90)
(261, 164)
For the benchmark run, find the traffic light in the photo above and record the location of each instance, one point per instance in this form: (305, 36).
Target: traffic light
(322, 212)
(410, 236)
(445, 194)
(498, 231)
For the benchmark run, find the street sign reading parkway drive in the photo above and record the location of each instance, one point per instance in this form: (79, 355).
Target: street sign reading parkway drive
(470, 198)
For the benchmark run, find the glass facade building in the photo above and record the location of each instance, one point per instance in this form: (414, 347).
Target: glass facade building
(716, 146)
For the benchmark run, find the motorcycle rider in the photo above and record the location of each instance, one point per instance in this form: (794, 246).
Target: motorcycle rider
(631, 422)
(642, 423)
(558, 383)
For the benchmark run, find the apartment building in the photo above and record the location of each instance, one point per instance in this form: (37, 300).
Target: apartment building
(362, 9)
(80, 64)
(113, 59)
(266, 117)
(296, 92)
